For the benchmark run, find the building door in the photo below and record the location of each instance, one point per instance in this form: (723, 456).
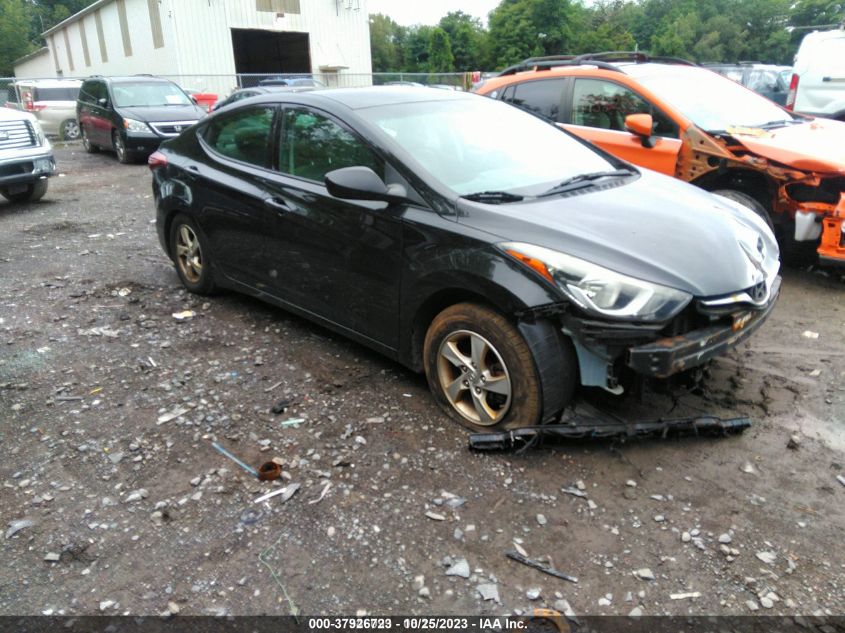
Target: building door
(270, 53)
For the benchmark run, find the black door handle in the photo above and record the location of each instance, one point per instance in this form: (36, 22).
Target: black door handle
(278, 205)
(194, 169)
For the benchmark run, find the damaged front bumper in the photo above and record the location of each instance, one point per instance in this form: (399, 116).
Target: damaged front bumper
(667, 356)
(605, 348)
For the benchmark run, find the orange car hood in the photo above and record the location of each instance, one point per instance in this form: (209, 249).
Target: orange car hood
(817, 146)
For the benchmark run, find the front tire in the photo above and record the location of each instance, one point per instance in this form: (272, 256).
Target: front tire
(33, 193)
(86, 142)
(480, 369)
(747, 201)
(191, 256)
(124, 156)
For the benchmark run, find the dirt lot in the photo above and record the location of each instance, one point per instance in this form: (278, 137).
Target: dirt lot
(143, 516)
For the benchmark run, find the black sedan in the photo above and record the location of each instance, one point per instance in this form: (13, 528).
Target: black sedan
(465, 238)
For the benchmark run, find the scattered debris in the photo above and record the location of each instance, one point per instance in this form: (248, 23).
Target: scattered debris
(226, 453)
(644, 574)
(794, 442)
(17, 526)
(184, 315)
(459, 568)
(519, 558)
(287, 492)
(326, 487)
(269, 471)
(175, 413)
(281, 406)
(575, 492)
(748, 468)
(294, 422)
(434, 516)
(810, 335)
(52, 557)
(840, 479)
(685, 596)
(767, 557)
(489, 591)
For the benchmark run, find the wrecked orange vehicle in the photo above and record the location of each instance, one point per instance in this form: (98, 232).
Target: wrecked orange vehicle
(686, 121)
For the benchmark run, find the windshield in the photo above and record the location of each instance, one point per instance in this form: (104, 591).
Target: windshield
(713, 102)
(148, 94)
(478, 144)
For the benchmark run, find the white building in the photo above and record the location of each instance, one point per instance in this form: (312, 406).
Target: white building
(192, 40)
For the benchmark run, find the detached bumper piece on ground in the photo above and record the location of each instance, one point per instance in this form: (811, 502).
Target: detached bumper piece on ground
(581, 427)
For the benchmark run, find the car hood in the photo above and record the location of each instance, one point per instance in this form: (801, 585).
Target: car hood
(817, 145)
(8, 114)
(163, 113)
(654, 228)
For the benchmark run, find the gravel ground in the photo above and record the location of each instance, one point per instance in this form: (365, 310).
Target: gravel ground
(109, 406)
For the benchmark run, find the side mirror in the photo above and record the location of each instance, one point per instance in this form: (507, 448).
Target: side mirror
(642, 125)
(194, 100)
(362, 183)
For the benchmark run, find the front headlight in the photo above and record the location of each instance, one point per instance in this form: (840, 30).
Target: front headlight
(132, 125)
(599, 290)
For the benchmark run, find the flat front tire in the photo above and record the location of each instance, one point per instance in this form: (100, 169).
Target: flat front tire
(480, 369)
(191, 256)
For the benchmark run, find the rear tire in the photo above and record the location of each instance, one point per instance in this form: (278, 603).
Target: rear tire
(33, 193)
(480, 369)
(69, 130)
(191, 257)
(747, 201)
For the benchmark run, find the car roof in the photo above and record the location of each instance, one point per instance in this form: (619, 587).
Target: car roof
(50, 83)
(358, 98)
(133, 79)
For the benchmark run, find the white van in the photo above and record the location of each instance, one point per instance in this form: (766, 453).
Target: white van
(818, 77)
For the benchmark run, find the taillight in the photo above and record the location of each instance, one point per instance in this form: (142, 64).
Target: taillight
(28, 105)
(793, 91)
(156, 160)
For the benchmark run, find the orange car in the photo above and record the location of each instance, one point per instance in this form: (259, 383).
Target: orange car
(683, 120)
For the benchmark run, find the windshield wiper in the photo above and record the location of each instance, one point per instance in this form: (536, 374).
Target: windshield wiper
(494, 197)
(585, 180)
(776, 124)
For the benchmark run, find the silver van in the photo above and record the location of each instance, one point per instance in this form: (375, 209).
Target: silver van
(818, 77)
(51, 101)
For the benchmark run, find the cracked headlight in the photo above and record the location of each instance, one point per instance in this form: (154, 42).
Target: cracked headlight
(598, 290)
(135, 126)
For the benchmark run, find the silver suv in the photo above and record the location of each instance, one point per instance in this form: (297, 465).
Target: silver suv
(26, 157)
(52, 101)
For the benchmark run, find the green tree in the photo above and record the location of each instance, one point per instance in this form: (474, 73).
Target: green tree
(386, 40)
(416, 49)
(467, 36)
(14, 34)
(440, 59)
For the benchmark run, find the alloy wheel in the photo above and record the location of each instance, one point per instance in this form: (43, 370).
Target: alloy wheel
(474, 378)
(70, 130)
(189, 254)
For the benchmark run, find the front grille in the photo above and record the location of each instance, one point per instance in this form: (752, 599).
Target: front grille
(171, 128)
(16, 134)
(17, 169)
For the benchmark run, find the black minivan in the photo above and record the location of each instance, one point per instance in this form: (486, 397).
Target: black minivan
(132, 115)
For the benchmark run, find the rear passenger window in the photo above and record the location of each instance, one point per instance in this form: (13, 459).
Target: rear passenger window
(605, 104)
(244, 136)
(543, 97)
(313, 145)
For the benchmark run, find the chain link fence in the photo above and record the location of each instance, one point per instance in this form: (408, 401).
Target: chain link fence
(224, 85)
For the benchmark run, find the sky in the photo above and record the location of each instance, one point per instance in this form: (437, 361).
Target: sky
(408, 12)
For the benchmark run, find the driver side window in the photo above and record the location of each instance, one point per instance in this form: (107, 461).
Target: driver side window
(605, 104)
(313, 145)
